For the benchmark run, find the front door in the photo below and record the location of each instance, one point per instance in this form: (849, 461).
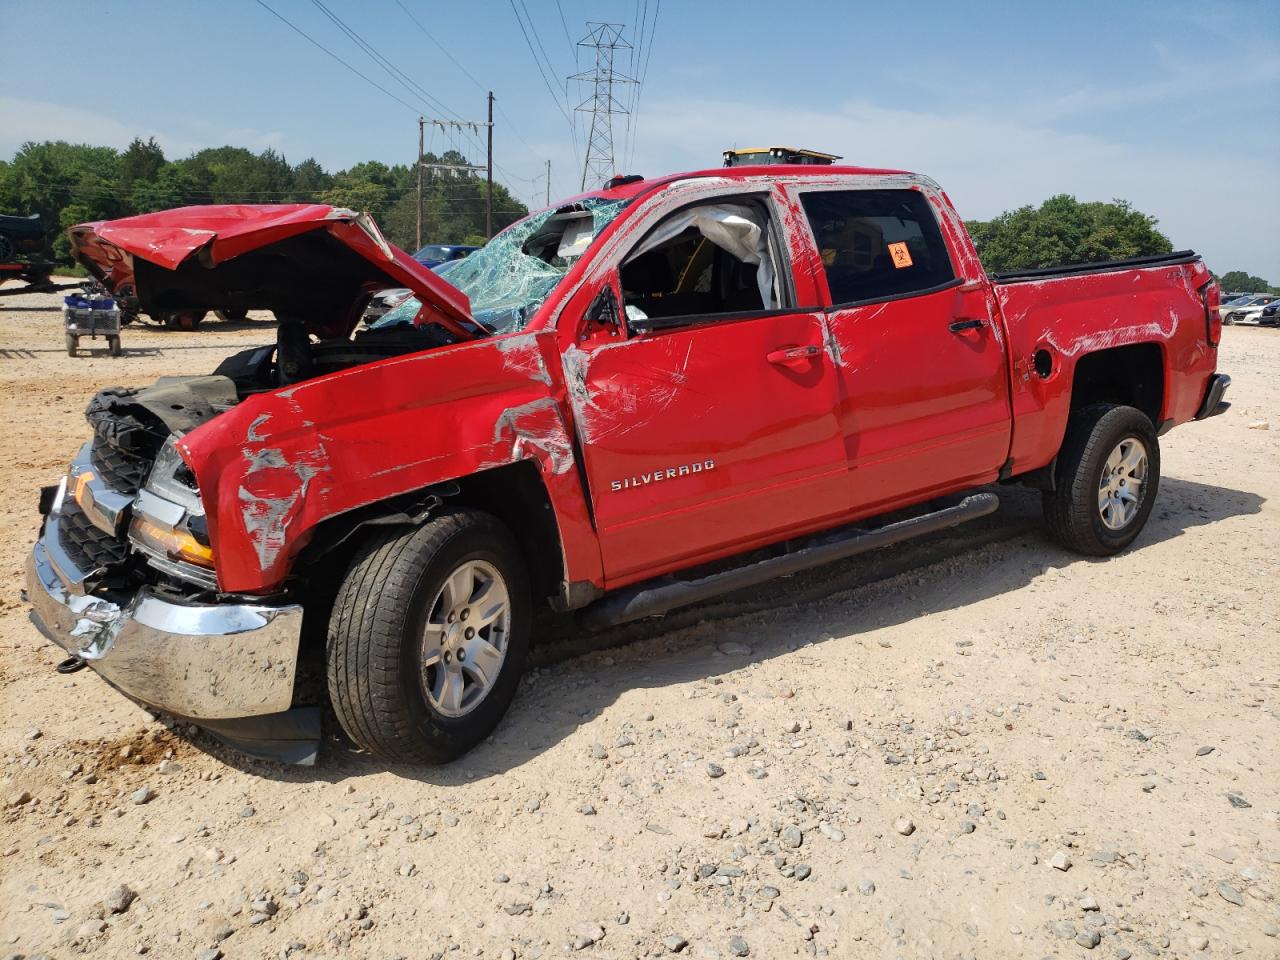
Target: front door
(711, 427)
(924, 404)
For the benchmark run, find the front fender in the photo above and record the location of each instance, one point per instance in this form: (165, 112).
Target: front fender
(280, 463)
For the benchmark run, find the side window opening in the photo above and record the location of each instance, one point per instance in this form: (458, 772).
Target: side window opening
(705, 260)
(877, 244)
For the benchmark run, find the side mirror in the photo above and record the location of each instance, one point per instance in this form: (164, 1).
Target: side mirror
(604, 309)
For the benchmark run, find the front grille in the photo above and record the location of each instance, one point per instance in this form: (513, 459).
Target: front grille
(118, 470)
(88, 547)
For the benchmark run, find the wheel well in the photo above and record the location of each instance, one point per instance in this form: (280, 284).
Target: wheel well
(1132, 375)
(514, 493)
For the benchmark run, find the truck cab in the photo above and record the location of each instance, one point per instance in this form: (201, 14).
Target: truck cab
(600, 409)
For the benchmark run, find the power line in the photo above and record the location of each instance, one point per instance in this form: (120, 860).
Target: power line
(510, 124)
(538, 64)
(319, 45)
(644, 74)
(573, 48)
(414, 88)
(533, 27)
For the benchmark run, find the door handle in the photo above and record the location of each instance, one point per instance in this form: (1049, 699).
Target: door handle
(790, 354)
(969, 323)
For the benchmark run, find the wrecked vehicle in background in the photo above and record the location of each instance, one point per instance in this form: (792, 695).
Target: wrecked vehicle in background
(596, 410)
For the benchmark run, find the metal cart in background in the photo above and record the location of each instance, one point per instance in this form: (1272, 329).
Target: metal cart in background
(90, 314)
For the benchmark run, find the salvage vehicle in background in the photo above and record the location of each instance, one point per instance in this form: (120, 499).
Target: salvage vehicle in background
(20, 236)
(434, 254)
(1248, 310)
(643, 397)
(1229, 308)
(1270, 315)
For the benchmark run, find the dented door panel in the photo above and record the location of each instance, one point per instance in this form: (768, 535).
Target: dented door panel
(694, 441)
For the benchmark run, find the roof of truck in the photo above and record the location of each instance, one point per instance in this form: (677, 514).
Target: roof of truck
(627, 191)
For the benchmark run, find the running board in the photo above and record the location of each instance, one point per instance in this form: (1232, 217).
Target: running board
(658, 596)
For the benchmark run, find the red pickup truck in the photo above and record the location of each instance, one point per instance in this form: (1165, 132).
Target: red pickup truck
(598, 410)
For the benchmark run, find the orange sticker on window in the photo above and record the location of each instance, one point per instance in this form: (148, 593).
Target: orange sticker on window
(901, 255)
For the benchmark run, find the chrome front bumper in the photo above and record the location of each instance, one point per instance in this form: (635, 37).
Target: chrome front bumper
(198, 661)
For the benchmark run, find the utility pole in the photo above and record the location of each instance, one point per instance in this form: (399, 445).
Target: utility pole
(605, 39)
(421, 121)
(488, 162)
(548, 182)
(456, 168)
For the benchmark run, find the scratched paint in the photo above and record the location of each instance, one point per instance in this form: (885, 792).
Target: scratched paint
(281, 463)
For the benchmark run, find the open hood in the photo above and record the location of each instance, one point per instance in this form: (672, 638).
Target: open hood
(310, 261)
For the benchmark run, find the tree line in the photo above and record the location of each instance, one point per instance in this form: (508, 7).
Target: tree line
(69, 183)
(1063, 230)
(73, 183)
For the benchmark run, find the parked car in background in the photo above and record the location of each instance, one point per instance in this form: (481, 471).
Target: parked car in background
(434, 254)
(1270, 315)
(1247, 309)
(20, 236)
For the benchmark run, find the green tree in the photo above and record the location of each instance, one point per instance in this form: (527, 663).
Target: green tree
(1237, 281)
(140, 163)
(1062, 230)
(72, 183)
(310, 180)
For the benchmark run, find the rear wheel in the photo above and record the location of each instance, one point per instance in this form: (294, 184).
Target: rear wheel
(72, 343)
(7, 249)
(1107, 475)
(428, 638)
(183, 319)
(113, 346)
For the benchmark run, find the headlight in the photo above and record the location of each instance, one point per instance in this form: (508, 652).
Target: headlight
(168, 517)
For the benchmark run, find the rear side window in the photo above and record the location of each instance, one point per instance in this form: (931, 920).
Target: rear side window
(877, 244)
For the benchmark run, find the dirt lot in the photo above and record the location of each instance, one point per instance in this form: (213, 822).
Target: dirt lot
(729, 782)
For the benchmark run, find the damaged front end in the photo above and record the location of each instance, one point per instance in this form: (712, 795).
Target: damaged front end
(174, 556)
(123, 578)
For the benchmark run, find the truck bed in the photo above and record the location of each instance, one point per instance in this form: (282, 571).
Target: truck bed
(1157, 306)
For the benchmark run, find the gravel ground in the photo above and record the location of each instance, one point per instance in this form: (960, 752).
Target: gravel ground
(980, 747)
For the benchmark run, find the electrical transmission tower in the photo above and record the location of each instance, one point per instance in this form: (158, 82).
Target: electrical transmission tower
(605, 39)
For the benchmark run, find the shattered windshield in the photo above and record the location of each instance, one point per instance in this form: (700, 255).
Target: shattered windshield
(508, 278)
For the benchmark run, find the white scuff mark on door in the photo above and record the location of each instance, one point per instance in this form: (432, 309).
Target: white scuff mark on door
(829, 342)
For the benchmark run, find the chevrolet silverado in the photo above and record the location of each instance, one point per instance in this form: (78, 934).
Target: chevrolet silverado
(633, 400)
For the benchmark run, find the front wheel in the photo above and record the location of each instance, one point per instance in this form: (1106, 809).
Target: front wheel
(113, 346)
(428, 637)
(1107, 475)
(72, 343)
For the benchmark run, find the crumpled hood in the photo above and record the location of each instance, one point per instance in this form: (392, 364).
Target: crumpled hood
(306, 260)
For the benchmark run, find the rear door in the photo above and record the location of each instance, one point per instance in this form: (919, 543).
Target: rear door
(710, 427)
(924, 404)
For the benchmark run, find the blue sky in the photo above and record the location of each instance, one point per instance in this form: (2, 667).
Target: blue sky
(1173, 106)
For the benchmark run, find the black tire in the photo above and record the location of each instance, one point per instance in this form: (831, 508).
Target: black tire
(72, 343)
(232, 314)
(113, 346)
(376, 639)
(1072, 510)
(183, 319)
(8, 252)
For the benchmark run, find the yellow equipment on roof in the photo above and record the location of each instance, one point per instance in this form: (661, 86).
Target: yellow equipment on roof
(757, 156)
